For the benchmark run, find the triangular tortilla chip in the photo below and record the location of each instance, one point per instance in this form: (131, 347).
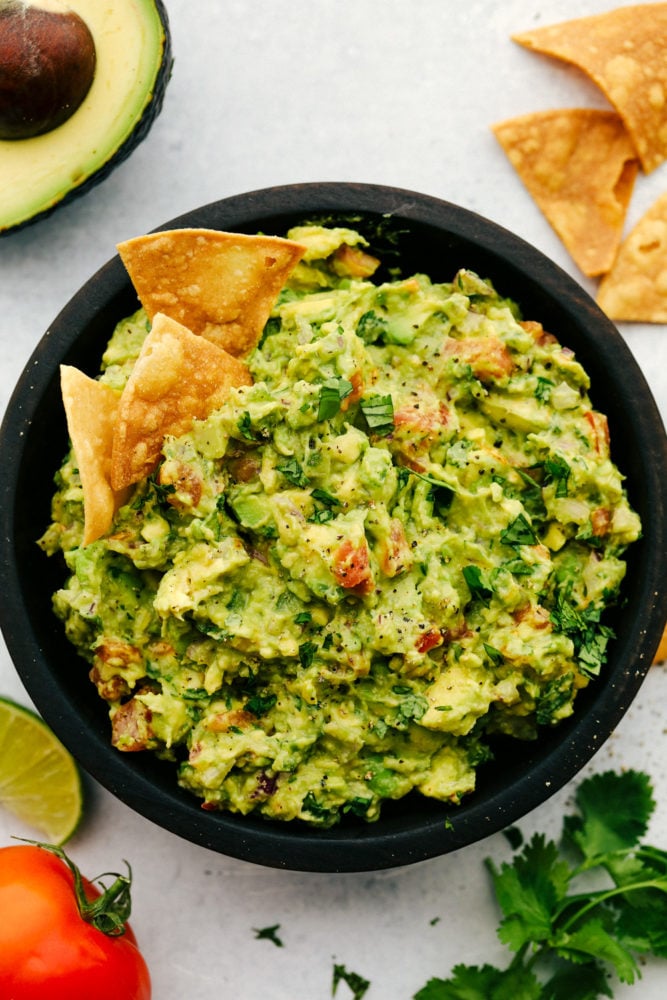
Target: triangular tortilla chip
(623, 52)
(178, 378)
(661, 651)
(580, 167)
(635, 290)
(219, 285)
(91, 408)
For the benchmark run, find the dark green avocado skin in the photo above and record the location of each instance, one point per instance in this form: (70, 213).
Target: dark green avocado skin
(136, 136)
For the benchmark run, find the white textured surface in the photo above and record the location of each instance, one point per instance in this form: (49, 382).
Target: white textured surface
(264, 92)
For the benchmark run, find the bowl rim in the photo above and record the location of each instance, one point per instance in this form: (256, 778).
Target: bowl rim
(369, 847)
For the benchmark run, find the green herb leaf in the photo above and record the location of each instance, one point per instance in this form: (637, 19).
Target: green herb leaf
(358, 806)
(328, 499)
(195, 694)
(358, 985)
(244, 425)
(517, 567)
(260, 704)
(583, 981)
(531, 494)
(478, 591)
(379, 414)
(493, 654)
(441, 497)
(557, 470)
(332, 393)
(614, 811)
(413, 706)
(324, 513)
(403, 476)
(583, 626)
(594, 940)
(237, 601)
(311, 805)
(268, 934)
(371, 327)
(518, 532)
(644, 929)
(321, 515)
(307, 652)
(543, 389)
(470, 982)
(292, 471)
(555, 694)
(528, 891)
(155, 491)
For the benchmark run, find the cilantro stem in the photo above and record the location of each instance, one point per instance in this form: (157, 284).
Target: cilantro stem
(654, 855)
(520, 956)
(431, 480)
(594, 899)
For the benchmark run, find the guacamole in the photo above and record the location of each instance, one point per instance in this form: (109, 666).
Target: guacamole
(396, 544)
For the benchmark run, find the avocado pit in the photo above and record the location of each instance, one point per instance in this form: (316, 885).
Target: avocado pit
(47, 65)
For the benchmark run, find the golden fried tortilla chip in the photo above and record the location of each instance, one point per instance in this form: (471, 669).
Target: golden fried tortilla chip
(219, 285)
(580, 167)
(623, 52)
(91, 408)
(178, 378)
(635, 290)
(661, 651)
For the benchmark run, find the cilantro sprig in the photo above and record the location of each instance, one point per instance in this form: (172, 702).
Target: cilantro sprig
(589, 636)
(567, 938)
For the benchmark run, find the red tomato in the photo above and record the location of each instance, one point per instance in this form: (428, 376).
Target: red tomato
(488, 357)
(419, 426)
(48, 951)
(600, 431)
(352, 568)
(429, 640)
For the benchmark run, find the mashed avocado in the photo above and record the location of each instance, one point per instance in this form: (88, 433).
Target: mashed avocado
(396, 543)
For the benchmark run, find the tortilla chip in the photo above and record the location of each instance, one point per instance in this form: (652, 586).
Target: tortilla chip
(580, 166)
(219, 285)
(178, 378)
(623, 52)
(661, 651)
(635, 290)
(91, 408)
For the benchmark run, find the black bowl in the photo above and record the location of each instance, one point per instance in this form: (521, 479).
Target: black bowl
(418, 233)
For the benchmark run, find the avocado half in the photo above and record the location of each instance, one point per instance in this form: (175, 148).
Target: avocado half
(133, 63)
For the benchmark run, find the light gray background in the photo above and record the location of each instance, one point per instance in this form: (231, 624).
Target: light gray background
(264, 92)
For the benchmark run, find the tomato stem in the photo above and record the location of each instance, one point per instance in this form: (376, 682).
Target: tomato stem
(108, 912)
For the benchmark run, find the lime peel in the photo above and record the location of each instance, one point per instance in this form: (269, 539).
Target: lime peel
(40, 783)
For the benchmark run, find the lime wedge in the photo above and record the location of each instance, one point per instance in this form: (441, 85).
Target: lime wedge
(39, 781)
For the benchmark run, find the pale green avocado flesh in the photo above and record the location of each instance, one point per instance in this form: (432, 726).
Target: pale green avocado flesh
(133, 66)
(396, 543)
